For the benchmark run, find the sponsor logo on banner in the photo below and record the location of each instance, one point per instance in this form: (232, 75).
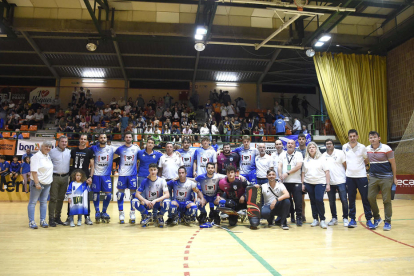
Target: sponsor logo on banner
(270, 147)
(43, 95)
(405, 184)
(34, 146)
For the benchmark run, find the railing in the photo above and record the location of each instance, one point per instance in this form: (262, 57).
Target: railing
(321, 124)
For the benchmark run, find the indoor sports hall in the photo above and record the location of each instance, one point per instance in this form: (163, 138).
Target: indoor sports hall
(206, 137)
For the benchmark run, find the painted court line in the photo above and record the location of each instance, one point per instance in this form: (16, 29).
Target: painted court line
(255, 255)
(186, 252)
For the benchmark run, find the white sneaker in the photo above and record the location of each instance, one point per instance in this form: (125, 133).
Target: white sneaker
(323, 224)
(79, 221)
(88, 221)
(333, 222)
(223, 216)
(346, 222)
(315, 223)
(72, 224)
(121, 217)
(132, 217)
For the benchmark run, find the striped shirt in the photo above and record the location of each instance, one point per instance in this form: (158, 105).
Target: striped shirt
(378, 159)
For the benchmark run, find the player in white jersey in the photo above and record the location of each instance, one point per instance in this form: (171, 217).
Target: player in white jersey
(247, 159)
(101, 180)
(187, 155)
(127, 172)
(77, 193)
(182, 190)
(202, 156)
(152, 194)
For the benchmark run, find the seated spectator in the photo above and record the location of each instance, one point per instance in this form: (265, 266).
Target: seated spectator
(99, 103)
(204, 131)
(176, 115)
(167, 114)
(176, 134)
(121, 102)
(151, 113)
(214, 130)
(124, 122)
(160, 102)
(113, 103)
(166, 131)
(159, 113)
(35, 105)
(304, 130)
(256, 133)
(96, 119)
(140, 125)
(13, 120)
(39, 117)
(127, 108)
(117, 109)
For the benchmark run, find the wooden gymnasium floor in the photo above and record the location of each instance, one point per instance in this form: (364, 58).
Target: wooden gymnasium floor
(116, 249)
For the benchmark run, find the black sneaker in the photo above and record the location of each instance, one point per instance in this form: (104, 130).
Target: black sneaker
(278, 221)
(67, 222)
(52, 222)
(285, 227)
(299, 222)
(292, 219)
(169, 221)
(58, 221)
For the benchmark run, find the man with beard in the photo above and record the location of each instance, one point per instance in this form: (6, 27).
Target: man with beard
(127, 171)
(275, 155)
(227, 158)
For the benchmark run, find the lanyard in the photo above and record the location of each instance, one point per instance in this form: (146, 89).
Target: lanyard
(287, 158)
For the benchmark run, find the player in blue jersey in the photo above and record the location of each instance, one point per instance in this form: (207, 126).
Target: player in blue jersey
(187, 155)
(247, 159)
(182, 190)
(127, 171)
(208, 183)
(146, 157)
(101, 180)
(153, 195)
(202, 156)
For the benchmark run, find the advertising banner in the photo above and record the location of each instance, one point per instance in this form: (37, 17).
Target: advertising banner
(7, 147)
(33, 145)
(43, 95)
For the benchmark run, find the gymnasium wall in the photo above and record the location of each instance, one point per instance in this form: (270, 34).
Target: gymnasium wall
(400, 74)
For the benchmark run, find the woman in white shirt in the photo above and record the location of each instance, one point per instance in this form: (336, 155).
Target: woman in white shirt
(204, 131)
(41, 169)
(214, 130)
(316, 180)
(230, 111)
(223, 110)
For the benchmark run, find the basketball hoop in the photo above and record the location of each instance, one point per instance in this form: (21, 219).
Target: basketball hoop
(300, 4)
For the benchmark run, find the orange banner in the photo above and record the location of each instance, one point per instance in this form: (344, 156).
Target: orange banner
(7, 147)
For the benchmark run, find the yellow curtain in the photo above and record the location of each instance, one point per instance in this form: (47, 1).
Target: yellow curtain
(354, 88)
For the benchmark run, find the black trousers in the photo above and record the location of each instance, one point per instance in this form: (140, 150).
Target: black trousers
(281, 210)
(295, 191)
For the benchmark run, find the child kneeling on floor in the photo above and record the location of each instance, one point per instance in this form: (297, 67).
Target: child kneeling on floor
(78, 196)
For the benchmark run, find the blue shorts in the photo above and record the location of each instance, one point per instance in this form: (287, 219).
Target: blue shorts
(210, 199)
(101, 183)
(127, 182)
(251, 177)
(182, 205)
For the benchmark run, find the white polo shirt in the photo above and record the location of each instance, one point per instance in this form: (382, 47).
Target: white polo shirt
(268, 196)
(314, 170)
(292, 160)
(335, 164)
(355, 165)
(263, 164)
(42, 164)
(170, 165)
(275, 156)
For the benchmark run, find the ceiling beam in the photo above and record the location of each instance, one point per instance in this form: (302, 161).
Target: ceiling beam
(198, 52)
(118, 54)
(96, 22)
(4, 26)
(40, 54)
(27, 77)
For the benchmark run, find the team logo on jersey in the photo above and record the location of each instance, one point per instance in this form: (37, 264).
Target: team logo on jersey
(103, 157)
(153, 156)
(153, 194)
(129, 157)
(231, 159)
(181, 193)
(187, 159)
(204, 159)
(247, 157)
(235, 187)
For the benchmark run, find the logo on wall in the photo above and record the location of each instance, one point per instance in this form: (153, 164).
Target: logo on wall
(43, 95)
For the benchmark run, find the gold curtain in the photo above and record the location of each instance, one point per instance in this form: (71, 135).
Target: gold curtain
(354, 88)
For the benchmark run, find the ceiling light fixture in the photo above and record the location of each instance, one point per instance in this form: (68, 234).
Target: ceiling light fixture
(200, 46)
(94, 80)
(92, 45)
(227, 84)
(319, 44)
(325, 38)
(310, 52)
(198, 37)
(202, 30)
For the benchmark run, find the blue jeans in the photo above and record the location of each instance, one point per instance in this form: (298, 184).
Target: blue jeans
(262, 180)
(36, 195)
(228, 133)
(316, 193)
(361, 184)
(341, 188)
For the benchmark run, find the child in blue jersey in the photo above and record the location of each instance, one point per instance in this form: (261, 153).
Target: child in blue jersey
(101, 180)
(153, 195)
(25, 172)
(202, 156)
(127, 171)
(14, 169)
(4, 170)
(247, 159)
(182, 204)
(77, 196)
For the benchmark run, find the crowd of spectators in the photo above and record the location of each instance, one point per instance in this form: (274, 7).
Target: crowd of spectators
(163, 118)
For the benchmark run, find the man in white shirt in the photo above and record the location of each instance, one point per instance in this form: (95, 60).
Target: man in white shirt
(337, 166)
(290, 164)
(169, 163)
(39, 117)
(263, 163)
(275, 156)
(356, 177)
(275, 200)
(296, 127)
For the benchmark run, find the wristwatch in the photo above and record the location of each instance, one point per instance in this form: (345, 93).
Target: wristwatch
(288, 173)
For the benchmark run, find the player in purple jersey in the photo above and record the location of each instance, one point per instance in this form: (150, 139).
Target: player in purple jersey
(182, 190)
(227, 158)
(127, 171)
(153, 195)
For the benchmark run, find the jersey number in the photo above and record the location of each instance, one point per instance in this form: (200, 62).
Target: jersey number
(78, 200)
